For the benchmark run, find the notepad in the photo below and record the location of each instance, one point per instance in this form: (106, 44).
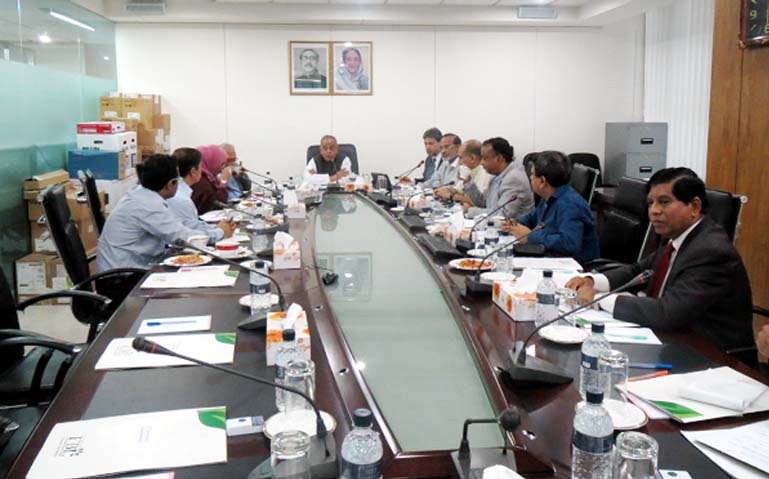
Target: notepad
(218, 348)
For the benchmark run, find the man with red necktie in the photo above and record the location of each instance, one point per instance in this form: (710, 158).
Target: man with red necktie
(699, 280)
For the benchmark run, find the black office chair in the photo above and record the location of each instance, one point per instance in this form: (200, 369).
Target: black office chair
(92, 194)
(115, 283)
(726, 209)
(588, 159)
(528, 162)
(583, 180)
(749, 354)
(345, 149)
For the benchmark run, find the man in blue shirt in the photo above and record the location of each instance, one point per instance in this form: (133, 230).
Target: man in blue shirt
(239, 182)
(568, 224)
(181, 205)
(141, 224)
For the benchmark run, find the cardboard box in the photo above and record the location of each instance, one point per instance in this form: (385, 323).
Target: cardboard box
(162, 121)
(131, 124)
(115, 189)
(125, 142)
(152, 137)
(89, 235)
(519, 305)
(100, 127)
(275, 334)
(142, 109)
(78, 207)
(110, 107)
(32, 273)
(38, 182)
(104, 165)
(41, 239)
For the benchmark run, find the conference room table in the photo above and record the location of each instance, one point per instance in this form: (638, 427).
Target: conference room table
(395, 334)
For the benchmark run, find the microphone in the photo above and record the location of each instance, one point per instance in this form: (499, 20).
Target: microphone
(409, 171)
(467, 244)
(223, 206)
(531, 369)
(275, 191)
(408, 200)
(322, 445)
(281, 299)
(466, 461)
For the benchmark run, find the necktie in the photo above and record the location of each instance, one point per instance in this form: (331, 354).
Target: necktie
(661, 271)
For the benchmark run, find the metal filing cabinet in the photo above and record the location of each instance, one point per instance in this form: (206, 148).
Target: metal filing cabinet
(636, 150)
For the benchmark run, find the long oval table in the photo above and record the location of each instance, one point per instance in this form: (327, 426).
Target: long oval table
(395, 334)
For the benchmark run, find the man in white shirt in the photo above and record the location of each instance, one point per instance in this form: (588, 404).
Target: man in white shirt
(328, 162)
(447, 171)
(699, 282)
(470, 169)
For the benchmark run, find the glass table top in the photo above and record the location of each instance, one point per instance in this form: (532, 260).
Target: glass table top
(400, 329)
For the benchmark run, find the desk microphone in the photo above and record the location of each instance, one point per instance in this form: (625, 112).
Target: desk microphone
(223, 206)
(531, 369)
(409, 171)
(467, 463)
(408, 200)
(467, 244)
(266, 177)
(185, 244)
(322, 445)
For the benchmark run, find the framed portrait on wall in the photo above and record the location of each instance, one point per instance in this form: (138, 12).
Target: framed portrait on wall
(309, 68)
(353, 68)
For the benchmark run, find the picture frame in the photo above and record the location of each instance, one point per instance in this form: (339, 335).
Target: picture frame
(353, 72)
(309, 68)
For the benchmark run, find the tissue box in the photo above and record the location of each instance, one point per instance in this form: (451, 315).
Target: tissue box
(519, 305)
(275, 334)
(296, 211)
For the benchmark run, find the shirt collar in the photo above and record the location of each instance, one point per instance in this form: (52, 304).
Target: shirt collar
(679, 240)
(560, 191)
(183, 188)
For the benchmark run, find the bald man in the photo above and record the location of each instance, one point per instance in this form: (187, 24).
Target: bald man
(239, 182)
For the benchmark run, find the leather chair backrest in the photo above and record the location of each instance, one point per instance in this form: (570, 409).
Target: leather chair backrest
(9, 319)
(528, 161)
(92, 194)
(64, 233)
(583, 180)
(725, 208)
(588, 159)
(345, 149)
(625, 225)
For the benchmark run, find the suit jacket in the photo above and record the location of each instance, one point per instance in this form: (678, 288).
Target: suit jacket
(707, 290)
(430, 162)
(445, 173)
(514, 183)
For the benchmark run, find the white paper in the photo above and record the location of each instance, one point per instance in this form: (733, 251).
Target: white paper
(631, 336)
(749, 443)
(567, 264)
(191, 279)
(178, 324)
(162, 475)
(216, 348)
(289, 197)
(500, 472)
(729, 392)
(134, 442)
(588, 316)
(731, 466)
(213, 216)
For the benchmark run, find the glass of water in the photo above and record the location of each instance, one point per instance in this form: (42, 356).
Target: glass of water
(289, 455)
(300, 374)
(613, 367)
(381, 183)
(635, 456)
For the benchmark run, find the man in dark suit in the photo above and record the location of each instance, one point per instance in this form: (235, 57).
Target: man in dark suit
(699, 280)
(431, 138)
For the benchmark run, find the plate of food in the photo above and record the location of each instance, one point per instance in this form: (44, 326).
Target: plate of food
(187, 260)
(471, 264)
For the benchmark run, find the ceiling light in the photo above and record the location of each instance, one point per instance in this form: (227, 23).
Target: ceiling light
(44, 38)
(106, 59)
(348, 44)
(71, 20)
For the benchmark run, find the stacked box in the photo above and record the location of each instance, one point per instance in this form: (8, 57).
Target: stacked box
(125, 142)
(38, 274)
(104, 165)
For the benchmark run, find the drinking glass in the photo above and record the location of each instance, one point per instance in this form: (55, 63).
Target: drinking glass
(635, 456)
(613, 366)
(381, 183)
(300, 374)
(289, 456)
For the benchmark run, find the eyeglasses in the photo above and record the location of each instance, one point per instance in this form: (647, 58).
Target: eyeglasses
(174, 181)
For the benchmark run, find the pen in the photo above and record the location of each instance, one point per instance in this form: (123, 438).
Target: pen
(160, 323)
(649, 376)
(650, 365)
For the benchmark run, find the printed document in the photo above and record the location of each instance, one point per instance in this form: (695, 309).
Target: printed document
(218, 348)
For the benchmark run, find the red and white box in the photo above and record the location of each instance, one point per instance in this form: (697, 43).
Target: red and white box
(125, 142)
(100, 127)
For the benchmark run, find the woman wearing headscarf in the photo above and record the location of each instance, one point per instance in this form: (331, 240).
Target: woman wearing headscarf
(212, 186)
(351, 75)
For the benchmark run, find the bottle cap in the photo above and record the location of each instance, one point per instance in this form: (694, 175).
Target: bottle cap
(289, 335)
(548, 273)
(490, 223)
(259, 264)
(504, 233)
(597, 327)
(594, 397)
(362, 418)
(259, 215)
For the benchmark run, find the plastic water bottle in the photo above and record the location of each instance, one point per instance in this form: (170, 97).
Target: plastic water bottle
(592, 440)
(505, 257)
(291, 182)
(261, 289)
(287, 352)
(590, 379)
(547, 304)
(361, 456)
(259, 240)
(491, 237)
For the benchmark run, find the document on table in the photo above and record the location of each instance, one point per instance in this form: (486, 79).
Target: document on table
(739, 451)
(569, 264)
(586, 317)
(218, 348)
(192, 278)
(134, 442)
(214, 216)
(624, 335)
(719, 392)
(179, 324)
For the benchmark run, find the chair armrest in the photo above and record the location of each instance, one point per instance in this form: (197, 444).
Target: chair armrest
(68, 348)
(108, 273)
(601, 264)
(761, 311)
(65, 294)
(12, 333)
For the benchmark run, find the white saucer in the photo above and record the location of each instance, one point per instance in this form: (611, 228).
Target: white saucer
(563, 334)
(245, 301)
(302, 420)
(490, 277)
(478, 253)
(397, 209)
(624, 415)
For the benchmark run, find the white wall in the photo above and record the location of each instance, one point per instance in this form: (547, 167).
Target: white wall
(540, 88)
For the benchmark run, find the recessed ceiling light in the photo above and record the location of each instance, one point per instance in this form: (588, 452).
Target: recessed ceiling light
(71, 20)
(106, 59)
(44, 38)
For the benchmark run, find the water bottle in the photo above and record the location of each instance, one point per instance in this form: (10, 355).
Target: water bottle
(259, 240)
(258, 208)
(261, 291)
(287, 352)
(479, 234)
(504, 259)
(592, 441)
(590, 379)
(491, 237)
(547, 304)
(361, 456)
(291, 182)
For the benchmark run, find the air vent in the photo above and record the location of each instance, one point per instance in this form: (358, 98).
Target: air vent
(538, 12)
(147, 7)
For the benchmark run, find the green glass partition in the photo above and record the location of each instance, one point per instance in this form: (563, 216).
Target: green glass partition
(400, 329)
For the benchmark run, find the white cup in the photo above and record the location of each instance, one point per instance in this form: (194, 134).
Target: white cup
(198, 241)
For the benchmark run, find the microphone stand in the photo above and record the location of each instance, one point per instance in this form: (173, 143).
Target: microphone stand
(276, 191)
(322, 445)
(408, 172)
(530, 369)
(474, 285)
(466, 461)
(465, 245)
(409, 210)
